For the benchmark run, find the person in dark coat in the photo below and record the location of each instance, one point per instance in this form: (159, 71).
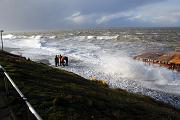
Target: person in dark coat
(66, 59)
(56, 59)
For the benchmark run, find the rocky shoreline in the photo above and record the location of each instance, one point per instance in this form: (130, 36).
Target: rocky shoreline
(170, 60)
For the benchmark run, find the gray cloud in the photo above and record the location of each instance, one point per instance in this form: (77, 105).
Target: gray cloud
(57, 14)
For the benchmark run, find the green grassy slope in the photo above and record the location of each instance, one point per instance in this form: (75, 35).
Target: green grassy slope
(61, 95)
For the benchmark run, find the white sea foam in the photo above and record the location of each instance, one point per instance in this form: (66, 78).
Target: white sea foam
(9, 36)
(139, 33)
(37, 37)
(90, 37)
(52, 37)
(97, 37)
(33, 47)
(107, 37)
(25, 43)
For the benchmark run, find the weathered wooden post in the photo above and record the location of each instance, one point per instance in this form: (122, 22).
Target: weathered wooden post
(1, 39)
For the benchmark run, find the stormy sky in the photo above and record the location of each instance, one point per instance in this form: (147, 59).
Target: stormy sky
(66, 14)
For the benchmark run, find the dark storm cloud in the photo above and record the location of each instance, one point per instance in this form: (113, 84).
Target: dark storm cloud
(57, 14)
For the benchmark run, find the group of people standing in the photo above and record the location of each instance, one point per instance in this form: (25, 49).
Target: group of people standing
(61, 60)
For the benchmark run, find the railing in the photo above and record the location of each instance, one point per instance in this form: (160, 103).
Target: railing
(22, 97)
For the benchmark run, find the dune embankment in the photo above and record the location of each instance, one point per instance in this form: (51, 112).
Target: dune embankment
(60, 95)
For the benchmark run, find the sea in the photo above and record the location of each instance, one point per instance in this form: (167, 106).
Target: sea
(107, 54)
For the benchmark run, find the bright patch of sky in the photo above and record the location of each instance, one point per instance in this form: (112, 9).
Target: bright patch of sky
(165, 13)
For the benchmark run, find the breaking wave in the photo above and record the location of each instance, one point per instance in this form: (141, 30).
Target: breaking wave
(33, 47)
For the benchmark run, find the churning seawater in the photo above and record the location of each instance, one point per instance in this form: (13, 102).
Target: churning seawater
(106, 55)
